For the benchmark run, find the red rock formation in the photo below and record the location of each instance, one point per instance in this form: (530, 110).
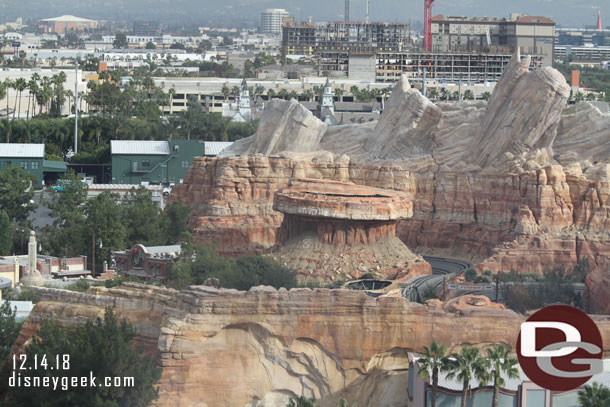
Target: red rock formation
(528, 222)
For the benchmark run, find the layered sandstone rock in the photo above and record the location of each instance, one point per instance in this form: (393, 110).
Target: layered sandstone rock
(339, 230)
(230, 348)
(519, 183)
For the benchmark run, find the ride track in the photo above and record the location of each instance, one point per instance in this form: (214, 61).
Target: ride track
(442, 268)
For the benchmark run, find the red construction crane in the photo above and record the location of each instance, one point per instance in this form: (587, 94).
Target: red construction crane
(428, 25)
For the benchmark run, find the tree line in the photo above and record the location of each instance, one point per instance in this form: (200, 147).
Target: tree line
(134, 112)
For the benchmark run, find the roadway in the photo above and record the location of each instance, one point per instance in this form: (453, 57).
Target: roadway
(442, 268)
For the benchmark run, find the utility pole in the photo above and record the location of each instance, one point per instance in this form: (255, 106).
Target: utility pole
(497, 288)
(76, 106)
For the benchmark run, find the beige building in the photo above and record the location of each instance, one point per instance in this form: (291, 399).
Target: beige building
(534, 35)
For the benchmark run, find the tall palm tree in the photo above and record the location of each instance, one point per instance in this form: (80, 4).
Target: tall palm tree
(500, 361)
(595, 395)
(20, 86)
(433, 361)
(465, 366)
(33, 90)
(7, 85)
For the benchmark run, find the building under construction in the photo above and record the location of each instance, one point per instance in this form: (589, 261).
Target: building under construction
(474, 49)
(352, 37)
(464, 67)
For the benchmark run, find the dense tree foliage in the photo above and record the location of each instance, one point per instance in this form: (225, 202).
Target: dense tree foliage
(127, 110)
(6, 234)
(594, 78)
(16, 192)
(524, 292)
(202, 262)
(104, 348)
(109, 221)
(9, 329)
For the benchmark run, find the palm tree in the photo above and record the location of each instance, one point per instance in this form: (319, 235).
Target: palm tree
(486, 95)
(172, 92)
(225, 91)
(7, 85)
(465, 366)
(595, 395)
(500, 361)
(338, 93)
(20, 85)
(33, 90)
(432, 362)
(468, 94)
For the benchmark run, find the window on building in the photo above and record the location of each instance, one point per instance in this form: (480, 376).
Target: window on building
(24, 165)
(34, 165)
(145, 163)
(185, 164)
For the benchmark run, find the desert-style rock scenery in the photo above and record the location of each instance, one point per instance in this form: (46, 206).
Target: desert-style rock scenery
(519, 183)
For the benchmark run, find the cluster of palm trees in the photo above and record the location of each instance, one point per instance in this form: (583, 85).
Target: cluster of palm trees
(467, 365)
(594, 395)
(47, 94)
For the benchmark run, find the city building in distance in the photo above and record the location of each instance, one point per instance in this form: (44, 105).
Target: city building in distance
(272, 20)
(474, 50)
(65, 24)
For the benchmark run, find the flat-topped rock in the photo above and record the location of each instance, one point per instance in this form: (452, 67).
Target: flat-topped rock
(340, 200)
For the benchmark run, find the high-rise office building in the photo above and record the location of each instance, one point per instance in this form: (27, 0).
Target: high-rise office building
(272, 19)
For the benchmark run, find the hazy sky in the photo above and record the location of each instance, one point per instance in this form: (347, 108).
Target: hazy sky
(564, 12)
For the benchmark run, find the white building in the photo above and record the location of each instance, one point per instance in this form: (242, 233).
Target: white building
(271, 20)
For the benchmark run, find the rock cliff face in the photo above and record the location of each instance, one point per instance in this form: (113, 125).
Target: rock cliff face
(230, 348)
(519, 183)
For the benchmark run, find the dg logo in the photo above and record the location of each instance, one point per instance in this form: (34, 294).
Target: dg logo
(560, 348)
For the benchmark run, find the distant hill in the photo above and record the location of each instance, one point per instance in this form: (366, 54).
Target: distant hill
(246, 12)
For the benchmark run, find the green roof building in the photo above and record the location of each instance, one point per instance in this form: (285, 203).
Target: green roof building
(164, 162)
(30, 157)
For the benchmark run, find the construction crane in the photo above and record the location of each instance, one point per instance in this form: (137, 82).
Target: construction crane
(428, 25)
(346, 15)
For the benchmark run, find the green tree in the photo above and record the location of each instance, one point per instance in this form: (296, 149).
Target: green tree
(177, 223)
(303, 401)
(470, 275)
(501, 362)
(105, 224)
(594, 395)
(180, 275)
(433, 361)
(120, 40)
(9, 329)
(16, 192)
(466, 366)
(150, 45)
(143, 218)
(6, 235)
(104, 348)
